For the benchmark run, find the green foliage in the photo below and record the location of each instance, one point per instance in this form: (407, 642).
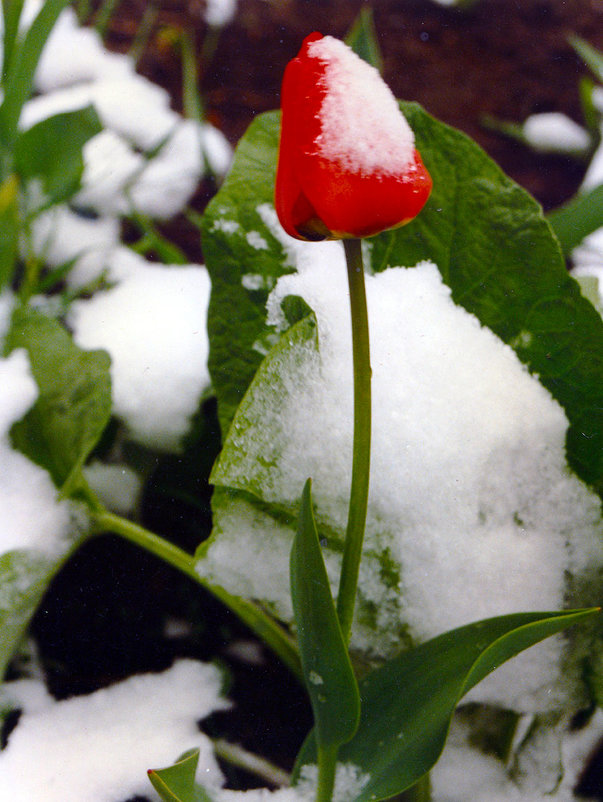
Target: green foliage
(238, 336)
(74, 402)
(177, 783)
(58, 433)
(578, 218)
(251, 454)
(589, 55)
(18, 81)
(9, 228)
(496, 252)
(407, 704)
(11, 12)
(488, 237)
(51, 151)
(328, 673)
(362, 38)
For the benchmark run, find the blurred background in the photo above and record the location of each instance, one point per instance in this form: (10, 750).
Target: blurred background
(506, 59)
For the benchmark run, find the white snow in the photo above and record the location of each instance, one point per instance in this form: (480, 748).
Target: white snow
(264, 795)
(117, 486)
(555, 132)
(349, 780)
(153, 324)
(362, 127)
(470, 496)
(255, 239)
(465, 773)
(75, 55)
(98, 748)
(219, 13)
(60, 235)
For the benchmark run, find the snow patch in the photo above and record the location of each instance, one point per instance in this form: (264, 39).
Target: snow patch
(104, 743)
(153, 324)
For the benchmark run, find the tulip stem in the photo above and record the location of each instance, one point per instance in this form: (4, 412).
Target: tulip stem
(352, 553)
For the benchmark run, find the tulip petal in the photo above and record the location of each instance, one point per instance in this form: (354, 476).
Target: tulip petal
(338, 177)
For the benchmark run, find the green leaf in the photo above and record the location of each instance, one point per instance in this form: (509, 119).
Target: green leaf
(9, 229)
(246, 516)
(407, 704)
(177, 783)
(495, 250)
(239, 338)
(590, 112)
(328, 673)
(592, 57)
(362, 38)
(51, 150)
(11, 13)
(18, 83)
(74, 403)
(578, 218)
(488, 237)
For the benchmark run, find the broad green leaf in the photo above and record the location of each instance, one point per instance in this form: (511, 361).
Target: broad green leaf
(496, 252)
(51, 151)
(247, 518)
(74, 404)
(578, 218)
(407, 704)
(328, 673)
(488, 237)
(177, 783)
(18, 83)
(362, 38)
(242, 274)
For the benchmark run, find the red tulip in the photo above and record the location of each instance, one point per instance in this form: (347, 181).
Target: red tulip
(347, 162)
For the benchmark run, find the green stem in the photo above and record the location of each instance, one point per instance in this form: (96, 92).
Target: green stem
(238, 756)
(327, 763)
(348, 583)
(253, 616)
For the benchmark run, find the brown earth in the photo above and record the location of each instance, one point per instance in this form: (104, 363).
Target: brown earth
(504, 58)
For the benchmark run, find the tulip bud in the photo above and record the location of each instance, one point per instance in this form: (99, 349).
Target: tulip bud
(347, 163)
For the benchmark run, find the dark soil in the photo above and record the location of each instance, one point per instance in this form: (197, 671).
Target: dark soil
(104, 616)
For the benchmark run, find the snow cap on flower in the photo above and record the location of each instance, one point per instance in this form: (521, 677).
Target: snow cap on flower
(348, 166)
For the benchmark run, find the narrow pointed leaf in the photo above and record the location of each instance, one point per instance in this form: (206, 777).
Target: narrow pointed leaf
(19, 81)
(177, 783)
(326, 665)
(592, 57)
(9, 229)
(362, 38)
(578, 218)
(407, 704)
(11, 13)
